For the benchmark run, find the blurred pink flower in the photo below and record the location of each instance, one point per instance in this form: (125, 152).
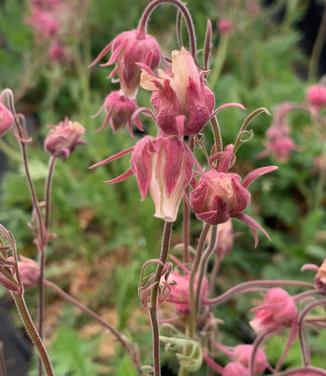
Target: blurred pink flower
(128, 49)
(179, 291)
(29, 272)
(58, 53)
(235, 369)
(225, 26)
(220, 194)
(119, 110)
(242, 353)
(62, 139)
(6, 119)
(316, 96)
(45, 23)
(181, 100)
(277, 310)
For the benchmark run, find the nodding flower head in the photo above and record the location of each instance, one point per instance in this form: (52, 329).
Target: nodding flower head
(225, 27)
(316, 96)
(6, 119)
(29, 272)
(242, 353)
(129, 49)
(235, 369)
(119, 110)
(179, 291)
(320, 279)
(181, 100)
(44, 22)
(63, 138)
(220, 195)
(163, 167)
(277, 310)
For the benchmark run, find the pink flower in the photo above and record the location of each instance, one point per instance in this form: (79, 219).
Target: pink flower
(57, 53)
(220, 194)
(235, 369)
(182, 102)
(320, 278)
(63, 138)
(224, 240)
(281, 147)
(316, 96)
(241, 354)
(225, 27)
(45, 23)
(29, 272)
(163, 167)
(277, 310)
(6, 120)
(179, 291)
(127, 50)
(119, 110)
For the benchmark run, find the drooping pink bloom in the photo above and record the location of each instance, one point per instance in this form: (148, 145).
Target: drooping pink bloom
(277, 310)
(224, 239)
(279, 142)
(129, 49)
(44, 22)
(163, 167)
(242, 353)
(225, 26)
(29, 272)
(320, 278)
(62, 139)
(182, 102)
(179, 291)
(58, 53)
(6, 120)
(119, 110)
(235, 369)
(316, 96)
(220, 194)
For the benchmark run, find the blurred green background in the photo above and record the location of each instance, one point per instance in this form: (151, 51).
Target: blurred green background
(104, 233)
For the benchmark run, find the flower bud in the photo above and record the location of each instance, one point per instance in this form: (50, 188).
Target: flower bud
(6, 120)
(316, 96)
(179, 291)
(242, 353)
(63, 138)
(181, 100)
(129, 49)
(58, 53)
(119, 110)
(277, 310)
(29, 272)
(224, 239)
(225, 27)
(235, 369)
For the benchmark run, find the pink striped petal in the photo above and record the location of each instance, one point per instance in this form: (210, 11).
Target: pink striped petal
(121, 177)
(253, 175)
(112, 158)
(253, 225)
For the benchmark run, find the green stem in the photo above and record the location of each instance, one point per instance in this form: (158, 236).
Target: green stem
(32, 332)
(154, 296)
(218, 61)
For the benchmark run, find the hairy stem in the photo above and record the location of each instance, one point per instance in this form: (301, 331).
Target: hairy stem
(32, 332)
(154, 296)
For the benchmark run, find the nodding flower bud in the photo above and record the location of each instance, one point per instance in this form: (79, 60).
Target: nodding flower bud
(129, 49)
(242, 353)
(316, 96)
(277, 310)
(181, 100)
(224, 239)
(163, 166)
(62, 139)
(29, 272)
(235, 369)
(320, 279)
(179, 291)
(220, 194)
(225, 27)
(6, 120)
(119, 110)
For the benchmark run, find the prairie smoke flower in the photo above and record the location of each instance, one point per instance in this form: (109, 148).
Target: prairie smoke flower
(29, 272)
(181, 100)
(320, 279)
(316, 96)
(63, 138)
(58, 53)
(128, 49)
(277, 310)
(220, 195)
(179, 291)
(118, 109)
(163, 167)
(242, 353)
(235, 369)
(44, 22)
(224, 239)
(225, 27)
(6, 120)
